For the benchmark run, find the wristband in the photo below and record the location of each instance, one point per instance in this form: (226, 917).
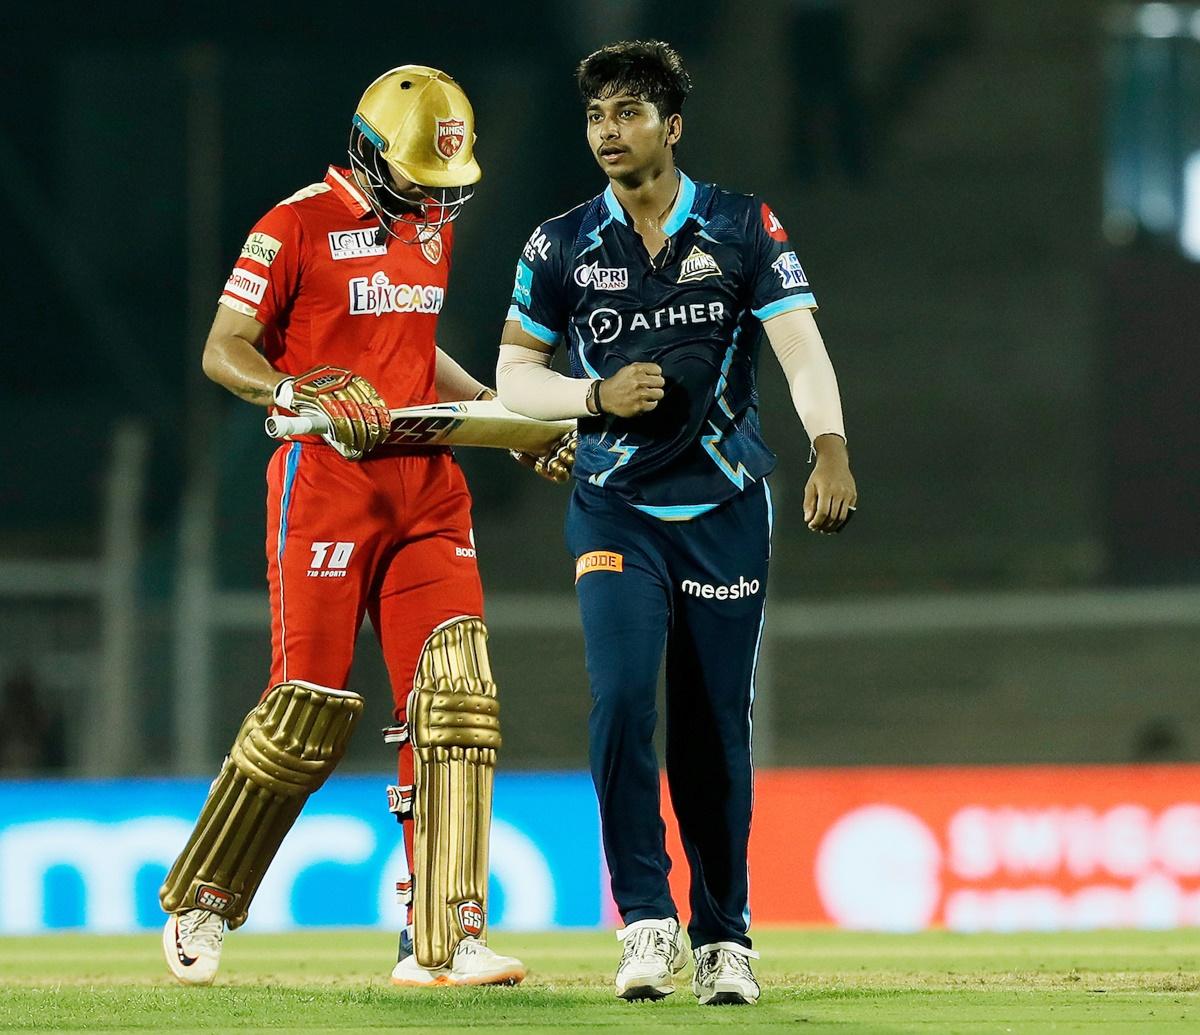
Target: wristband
(593, 399)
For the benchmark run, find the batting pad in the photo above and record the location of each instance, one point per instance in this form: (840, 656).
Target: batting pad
(286, 748)
(454, 726)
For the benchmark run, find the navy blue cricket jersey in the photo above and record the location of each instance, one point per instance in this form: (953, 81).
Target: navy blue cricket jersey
(585, 280)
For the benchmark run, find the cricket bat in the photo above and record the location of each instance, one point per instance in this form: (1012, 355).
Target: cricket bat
(485, 423)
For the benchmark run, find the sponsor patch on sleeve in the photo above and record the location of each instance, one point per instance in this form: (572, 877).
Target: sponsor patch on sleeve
(247, 285)
(599, 560)
(791, 273)
(261, 248)
(771, 224)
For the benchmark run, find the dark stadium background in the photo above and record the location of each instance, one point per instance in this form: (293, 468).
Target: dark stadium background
(1017, 357)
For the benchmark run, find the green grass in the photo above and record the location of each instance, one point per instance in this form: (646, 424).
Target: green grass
(813, 981)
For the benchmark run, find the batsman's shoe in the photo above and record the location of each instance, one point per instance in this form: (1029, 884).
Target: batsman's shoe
(654, 951)
(192, 944)
(473, 963)
(723, 976)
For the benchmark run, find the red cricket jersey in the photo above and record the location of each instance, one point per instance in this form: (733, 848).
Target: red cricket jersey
(315, 273)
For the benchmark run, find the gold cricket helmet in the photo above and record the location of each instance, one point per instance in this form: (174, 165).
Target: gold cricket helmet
(417, 121)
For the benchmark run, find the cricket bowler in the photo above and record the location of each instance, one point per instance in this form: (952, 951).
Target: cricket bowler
(332, 309)
(658, 289)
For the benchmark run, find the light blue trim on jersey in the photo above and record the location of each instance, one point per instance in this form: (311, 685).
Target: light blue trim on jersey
(289, 477)
(614, 206)
(785, 305)
(754, 688)
(543, 334)
(709, 442)
(683, 205)
(723, 380)
(624, 455)
(588, 368)
(682, 512)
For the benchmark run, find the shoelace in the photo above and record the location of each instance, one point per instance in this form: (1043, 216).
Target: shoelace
(648, 940)
(201, 930)
(714, 964)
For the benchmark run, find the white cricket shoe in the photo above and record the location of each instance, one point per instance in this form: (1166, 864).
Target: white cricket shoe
(192, 944)
(723, 975)
(473, 963)
(654, 951)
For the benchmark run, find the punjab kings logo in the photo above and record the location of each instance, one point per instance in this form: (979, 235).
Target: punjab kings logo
(697, 266)
(470, 919)
(432, 249)
(599, 560)
(451, 135)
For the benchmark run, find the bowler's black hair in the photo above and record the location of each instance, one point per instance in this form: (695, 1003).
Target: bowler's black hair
(647, 69)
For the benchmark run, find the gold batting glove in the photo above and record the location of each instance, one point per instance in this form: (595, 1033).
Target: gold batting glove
(556, 465)
(355, 410)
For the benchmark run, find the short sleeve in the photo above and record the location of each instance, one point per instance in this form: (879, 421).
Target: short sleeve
(777, 281)
(266, 276)
(539, 298)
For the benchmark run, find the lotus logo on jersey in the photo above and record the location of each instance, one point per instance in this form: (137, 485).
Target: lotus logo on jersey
(697, 266)
(706, 591)
(376, 295)
(451, 135)
(614, 278)
(354, 244)
(470, 918)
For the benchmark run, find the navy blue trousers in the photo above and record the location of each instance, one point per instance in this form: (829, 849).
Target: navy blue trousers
(696, 589)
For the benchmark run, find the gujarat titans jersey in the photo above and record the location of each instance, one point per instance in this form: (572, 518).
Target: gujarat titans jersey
(585, 280)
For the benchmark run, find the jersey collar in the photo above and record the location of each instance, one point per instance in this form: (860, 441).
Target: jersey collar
(341, 182)
(680, 211)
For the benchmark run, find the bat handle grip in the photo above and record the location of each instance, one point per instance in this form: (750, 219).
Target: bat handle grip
(279, 426)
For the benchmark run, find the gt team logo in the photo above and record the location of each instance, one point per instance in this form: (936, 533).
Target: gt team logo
(329, 560)
(771, 224)
(354, 244)
(791, 273)
(376, 295)
(697, 266)
(602, 278)
(470, 918)
(451, 135)
(736, 591)
(247, 285)
(261, 248)
(599, 560)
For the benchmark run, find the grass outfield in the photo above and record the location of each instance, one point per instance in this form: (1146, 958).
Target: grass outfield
(813, 981)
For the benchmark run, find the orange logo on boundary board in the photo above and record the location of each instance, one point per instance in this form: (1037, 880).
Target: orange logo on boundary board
(598, 560)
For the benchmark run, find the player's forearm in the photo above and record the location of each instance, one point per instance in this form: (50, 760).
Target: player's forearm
(237, 365)
(527, 385)
(452, 382)
(810, 376)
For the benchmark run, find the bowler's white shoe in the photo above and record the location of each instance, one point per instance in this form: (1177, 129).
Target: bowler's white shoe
(473, 963)
(654, 950)
(723, 975)
(192, 944)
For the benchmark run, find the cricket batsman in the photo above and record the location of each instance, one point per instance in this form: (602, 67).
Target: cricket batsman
(332, 310)
(659, 289)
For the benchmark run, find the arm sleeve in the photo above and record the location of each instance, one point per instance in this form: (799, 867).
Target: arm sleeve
(797, 343)
(266, 276)
(539, 298)
(777, 281)
(527, 385)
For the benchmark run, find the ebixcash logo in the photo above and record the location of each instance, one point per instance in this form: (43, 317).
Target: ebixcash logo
(376, 295)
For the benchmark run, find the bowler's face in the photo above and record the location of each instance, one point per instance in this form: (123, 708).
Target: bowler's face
(625, 134)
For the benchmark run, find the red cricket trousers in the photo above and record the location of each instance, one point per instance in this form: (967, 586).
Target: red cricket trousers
(389, 536)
